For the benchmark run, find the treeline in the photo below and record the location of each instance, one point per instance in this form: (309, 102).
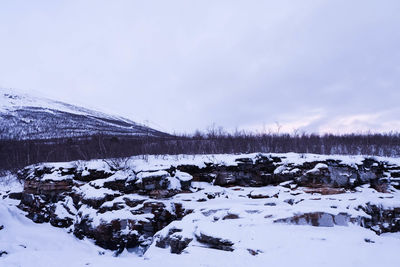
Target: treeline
(20, 153)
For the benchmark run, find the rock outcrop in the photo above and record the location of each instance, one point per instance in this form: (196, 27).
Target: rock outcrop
(124, 208)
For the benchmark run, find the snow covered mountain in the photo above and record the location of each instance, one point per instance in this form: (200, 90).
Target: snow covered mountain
(24, 116)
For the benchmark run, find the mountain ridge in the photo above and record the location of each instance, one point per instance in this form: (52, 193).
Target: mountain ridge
(27, 117)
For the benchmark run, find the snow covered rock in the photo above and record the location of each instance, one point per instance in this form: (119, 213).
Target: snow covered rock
(214, 242)
(382, 219)
(174, 240)
(178, 204)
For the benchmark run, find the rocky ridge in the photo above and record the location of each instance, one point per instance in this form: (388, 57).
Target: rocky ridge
(175, 203)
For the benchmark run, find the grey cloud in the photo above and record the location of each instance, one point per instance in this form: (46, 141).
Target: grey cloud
(185, 65)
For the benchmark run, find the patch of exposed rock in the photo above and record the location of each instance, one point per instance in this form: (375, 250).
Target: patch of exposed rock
(215, 242)
(321, 219)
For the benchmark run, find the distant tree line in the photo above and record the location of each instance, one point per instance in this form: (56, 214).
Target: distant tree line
(19, 153)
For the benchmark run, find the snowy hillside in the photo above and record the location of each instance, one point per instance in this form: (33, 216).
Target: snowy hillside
(204, 210)
(29, 117)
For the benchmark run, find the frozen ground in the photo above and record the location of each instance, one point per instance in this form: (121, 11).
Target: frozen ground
(40, 245)
(244, 219)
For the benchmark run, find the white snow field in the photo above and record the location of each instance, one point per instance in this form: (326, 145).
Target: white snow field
(246, 219)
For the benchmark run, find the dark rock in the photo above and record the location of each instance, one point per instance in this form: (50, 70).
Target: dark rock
(178, 244)
(119, 185)
(97, 202)
(174, 240)
(247, 161)
(115, 206)
(50, 188)
(318, 219)
(153, 182)
(163, 242)
(41, 197)
(289, 201)
(243, 177)
(275, 179)
(260, 172)
(254, 252)
(382, 220)
(15, 195)
(260, 195)
(61, 222)
(230, 216)
(395, 174)
(133, 202)
(109, 236)
(225, 178)
(93, 175)
(370, 162)
(120, 234)
(325, 190)
(215, 242)
(36, 208)
(162, 194)
(199, 174)
(381, 185)
(329, 173)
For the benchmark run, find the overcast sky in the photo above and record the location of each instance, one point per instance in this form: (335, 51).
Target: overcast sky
(315, 66)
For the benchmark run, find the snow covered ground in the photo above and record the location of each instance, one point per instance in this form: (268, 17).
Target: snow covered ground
(247, 221)
(41, 245)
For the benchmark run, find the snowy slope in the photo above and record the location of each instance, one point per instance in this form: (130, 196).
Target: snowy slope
(29, 117)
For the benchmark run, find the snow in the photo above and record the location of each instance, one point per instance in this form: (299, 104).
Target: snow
(266, 192)
(56, 176)
(32, 117)
(40, 245)
(9, 182)
(183, 176)
(280, 169)
(145, 175)
(106, 217)
(119, 175)
(98, 165)
(157, 162)
(155, 165)
(253, 229)
(90, 192)
(62, 212)
(317, 168)
(11, 99)
(174, 183)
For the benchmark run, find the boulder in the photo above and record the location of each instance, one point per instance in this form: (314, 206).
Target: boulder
(174, 240)
(215, 242)
(382, 220)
